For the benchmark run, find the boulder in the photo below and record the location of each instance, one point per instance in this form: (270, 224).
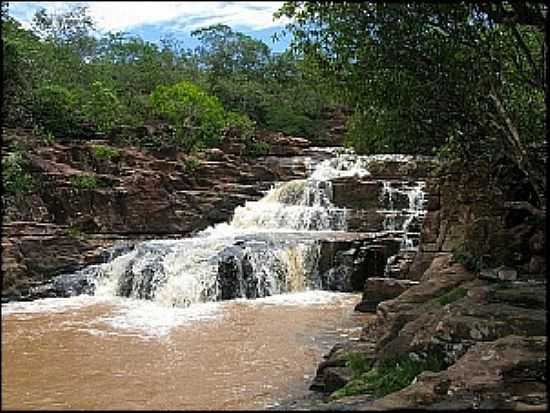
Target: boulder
(379, 289)
(333, 373)
(507, 274)
(537, 264)
(508, 373)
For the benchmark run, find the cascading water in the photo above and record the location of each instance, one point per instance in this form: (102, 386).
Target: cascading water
(405, 203)
(269, 247)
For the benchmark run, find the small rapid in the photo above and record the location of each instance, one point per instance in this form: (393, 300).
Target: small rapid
(270, 246)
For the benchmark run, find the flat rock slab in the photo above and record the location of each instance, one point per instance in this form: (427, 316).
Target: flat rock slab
(378, 289)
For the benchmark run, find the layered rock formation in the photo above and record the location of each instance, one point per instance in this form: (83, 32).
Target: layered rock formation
(132, 195)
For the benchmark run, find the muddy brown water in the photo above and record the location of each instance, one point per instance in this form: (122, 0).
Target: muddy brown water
(78, 354)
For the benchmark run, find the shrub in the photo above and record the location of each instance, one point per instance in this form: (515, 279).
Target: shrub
(102, 107)
(358, 363)
(239, 126)
(453, 296)
(197, 117)
(47, 138)
(15, 177)
(284, 119)
(84, 181)
(471, 262)
(105, 151)
(74, 231)
(391, 376)
(191, 164)
(54, 108)
(255, 148)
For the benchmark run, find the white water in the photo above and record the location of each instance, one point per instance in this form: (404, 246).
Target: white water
(399, 220)
(275, 237)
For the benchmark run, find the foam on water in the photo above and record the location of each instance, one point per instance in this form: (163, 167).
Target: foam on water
(310, 297)
(175, 276)
(151, 319)
(50, 305)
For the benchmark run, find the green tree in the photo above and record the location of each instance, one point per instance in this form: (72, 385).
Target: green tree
(197, 117)
(225, 52)
(430, 77)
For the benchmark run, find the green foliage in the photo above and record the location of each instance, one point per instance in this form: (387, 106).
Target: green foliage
(84, 181)
(16, 178)
(47, 138)
(284, 119)
(197, 117)
(452, 296)
(239, 126)
(55, 109)
(391, 376)
(225, 52)
(75, 231)
(465, 79)
(470, 261)
(256, 149)
(61, 77)
(191, 164)
(102, 107)
(105, 151)
(358, 363)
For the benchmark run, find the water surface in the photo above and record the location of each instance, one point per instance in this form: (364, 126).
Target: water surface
(88, 353)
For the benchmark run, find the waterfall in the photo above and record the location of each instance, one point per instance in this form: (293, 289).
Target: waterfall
(404, 204)
(270, 246)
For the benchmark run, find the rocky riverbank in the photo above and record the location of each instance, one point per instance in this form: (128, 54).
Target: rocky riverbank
(456, 329)
(470, 285)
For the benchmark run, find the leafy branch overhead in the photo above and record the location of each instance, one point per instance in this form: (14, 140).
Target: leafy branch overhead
(466, 80)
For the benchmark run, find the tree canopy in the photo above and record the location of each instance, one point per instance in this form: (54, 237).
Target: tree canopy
(458, 79)
(65, 78)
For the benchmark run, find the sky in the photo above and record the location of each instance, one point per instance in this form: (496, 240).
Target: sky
(153, 20)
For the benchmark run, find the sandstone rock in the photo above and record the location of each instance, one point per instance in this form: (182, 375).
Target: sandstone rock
(507, 274)
(490, 274)
(381, 289)
(511, 375)
(349, 192)
(421, 263)
(433, 203)
(537, 243)
(333, 378)
(363, 220)
(537, 265)
(215, 154)
(430, 227)
(332, 373)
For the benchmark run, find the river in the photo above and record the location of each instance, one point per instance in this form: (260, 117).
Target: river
(85, 353)
(236, 317)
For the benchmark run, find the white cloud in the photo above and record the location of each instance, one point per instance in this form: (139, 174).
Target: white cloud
(180, 15)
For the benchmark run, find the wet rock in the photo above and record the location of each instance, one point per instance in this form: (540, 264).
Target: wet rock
(363, 220)
(215, 154)
(349, 192)
(490, 274)
(333, 373)
(381, 289)
(333, 378)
